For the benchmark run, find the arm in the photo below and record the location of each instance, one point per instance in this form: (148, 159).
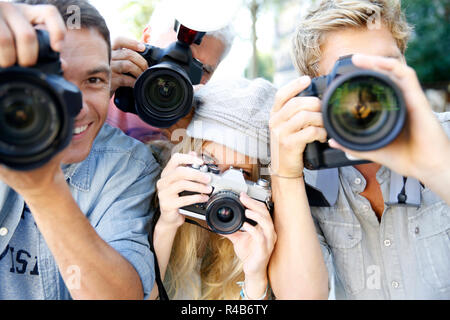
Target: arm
(175, 179)
(297, 269)
(423, 149)
(254, 247)
(103, 272)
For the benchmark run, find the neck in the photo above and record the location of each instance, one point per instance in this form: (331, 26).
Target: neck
(373, 190)
(369, 171)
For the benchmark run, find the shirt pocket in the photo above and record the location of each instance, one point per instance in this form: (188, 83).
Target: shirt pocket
(430, 229)
(345, 240)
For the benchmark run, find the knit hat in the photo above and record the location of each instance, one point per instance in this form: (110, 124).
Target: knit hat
(235, 113)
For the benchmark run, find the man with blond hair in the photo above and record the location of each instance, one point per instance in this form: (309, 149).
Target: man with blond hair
(371, 245)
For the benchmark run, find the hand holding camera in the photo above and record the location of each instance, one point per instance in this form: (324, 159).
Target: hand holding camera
(176, 178)
(18, 37)
(164, 93)
(422, 149)
(126, 63)
(294, 123)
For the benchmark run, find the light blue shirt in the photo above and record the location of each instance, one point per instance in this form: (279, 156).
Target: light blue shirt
(406, 255)
(113, 187)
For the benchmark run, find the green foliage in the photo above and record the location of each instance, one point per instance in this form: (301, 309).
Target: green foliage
(429, 48)
(140, 12)
(266, 67)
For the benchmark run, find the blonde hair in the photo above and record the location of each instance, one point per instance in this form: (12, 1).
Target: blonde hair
(332, 15)
(219, 267)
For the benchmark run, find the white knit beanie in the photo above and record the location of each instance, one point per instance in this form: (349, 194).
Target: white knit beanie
(235, 113)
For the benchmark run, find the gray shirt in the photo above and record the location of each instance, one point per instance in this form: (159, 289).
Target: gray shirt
(405, 256)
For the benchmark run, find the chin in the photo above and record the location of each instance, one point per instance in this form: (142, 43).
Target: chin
(74, 154)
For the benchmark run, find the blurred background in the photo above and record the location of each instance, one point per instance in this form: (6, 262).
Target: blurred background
(263, 39)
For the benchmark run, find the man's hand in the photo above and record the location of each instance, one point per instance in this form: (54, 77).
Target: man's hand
(18, 40)
(127, 64)
(423, 149)
(294, 122)
(33, 185)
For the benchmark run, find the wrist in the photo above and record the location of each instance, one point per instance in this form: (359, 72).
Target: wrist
(165, 226)
(432, 173)
(255, 287)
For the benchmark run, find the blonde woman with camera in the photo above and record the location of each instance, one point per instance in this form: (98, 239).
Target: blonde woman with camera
(229, 129)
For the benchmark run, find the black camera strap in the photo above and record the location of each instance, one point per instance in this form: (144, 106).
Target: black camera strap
(161, 290)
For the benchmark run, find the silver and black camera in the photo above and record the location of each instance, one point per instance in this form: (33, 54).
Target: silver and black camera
(224, 212)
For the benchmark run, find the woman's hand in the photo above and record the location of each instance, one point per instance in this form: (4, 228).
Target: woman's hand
(254, 246)
(176, 178)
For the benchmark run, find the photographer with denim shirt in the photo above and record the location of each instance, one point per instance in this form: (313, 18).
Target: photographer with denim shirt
(75, 227)
(374, 246)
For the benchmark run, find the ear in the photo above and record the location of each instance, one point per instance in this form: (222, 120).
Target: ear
(146, 35)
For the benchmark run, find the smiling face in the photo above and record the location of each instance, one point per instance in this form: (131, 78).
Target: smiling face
(86, 64)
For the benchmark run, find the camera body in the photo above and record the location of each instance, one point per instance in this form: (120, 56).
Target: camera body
(164, 93)
(363, 110)
(37, 110)
(224, 213)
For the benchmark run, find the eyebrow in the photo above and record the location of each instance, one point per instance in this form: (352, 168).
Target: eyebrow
(101, 69)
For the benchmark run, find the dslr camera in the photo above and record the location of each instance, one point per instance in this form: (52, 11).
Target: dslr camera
(224, 213)
(37, 110)
(363, 110)
(164, 93)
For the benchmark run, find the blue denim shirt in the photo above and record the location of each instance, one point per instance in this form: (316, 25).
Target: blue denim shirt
(405, 256)
(113, 187)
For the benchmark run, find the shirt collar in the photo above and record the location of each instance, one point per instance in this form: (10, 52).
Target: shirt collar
(323, 186)
(79, 175)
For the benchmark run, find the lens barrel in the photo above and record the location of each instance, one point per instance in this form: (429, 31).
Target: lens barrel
(225, 214)
(364, 110)
(164, 94)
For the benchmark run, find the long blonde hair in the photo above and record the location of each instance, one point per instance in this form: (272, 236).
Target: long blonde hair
(197, 251)
(332, 15)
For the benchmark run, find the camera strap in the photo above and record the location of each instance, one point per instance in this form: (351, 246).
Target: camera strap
(161, 290)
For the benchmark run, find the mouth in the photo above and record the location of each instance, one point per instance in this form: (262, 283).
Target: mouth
(79, 131)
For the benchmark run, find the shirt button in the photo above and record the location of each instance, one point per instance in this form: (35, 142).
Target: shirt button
(365, 207)
(387, 243)
(417, 230)
(358, 181)
(3, 232)
(395, 284)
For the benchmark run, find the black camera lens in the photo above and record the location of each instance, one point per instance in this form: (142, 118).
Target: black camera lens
(164, 95)
(224, 213)
(29, 120)
(165, 92)
(364, 111)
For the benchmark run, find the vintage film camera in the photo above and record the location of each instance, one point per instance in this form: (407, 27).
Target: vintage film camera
(164, 93)
(37, 110)
(224, 213)
(363, 110)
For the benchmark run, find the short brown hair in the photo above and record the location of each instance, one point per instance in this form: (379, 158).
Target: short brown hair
(332, 15)
(90, 17)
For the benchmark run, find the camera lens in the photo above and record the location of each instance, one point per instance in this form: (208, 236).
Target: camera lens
(224, 213)
(164, 95)
(364, 112)
(165, 92)
(29, 123)
(19, 115)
